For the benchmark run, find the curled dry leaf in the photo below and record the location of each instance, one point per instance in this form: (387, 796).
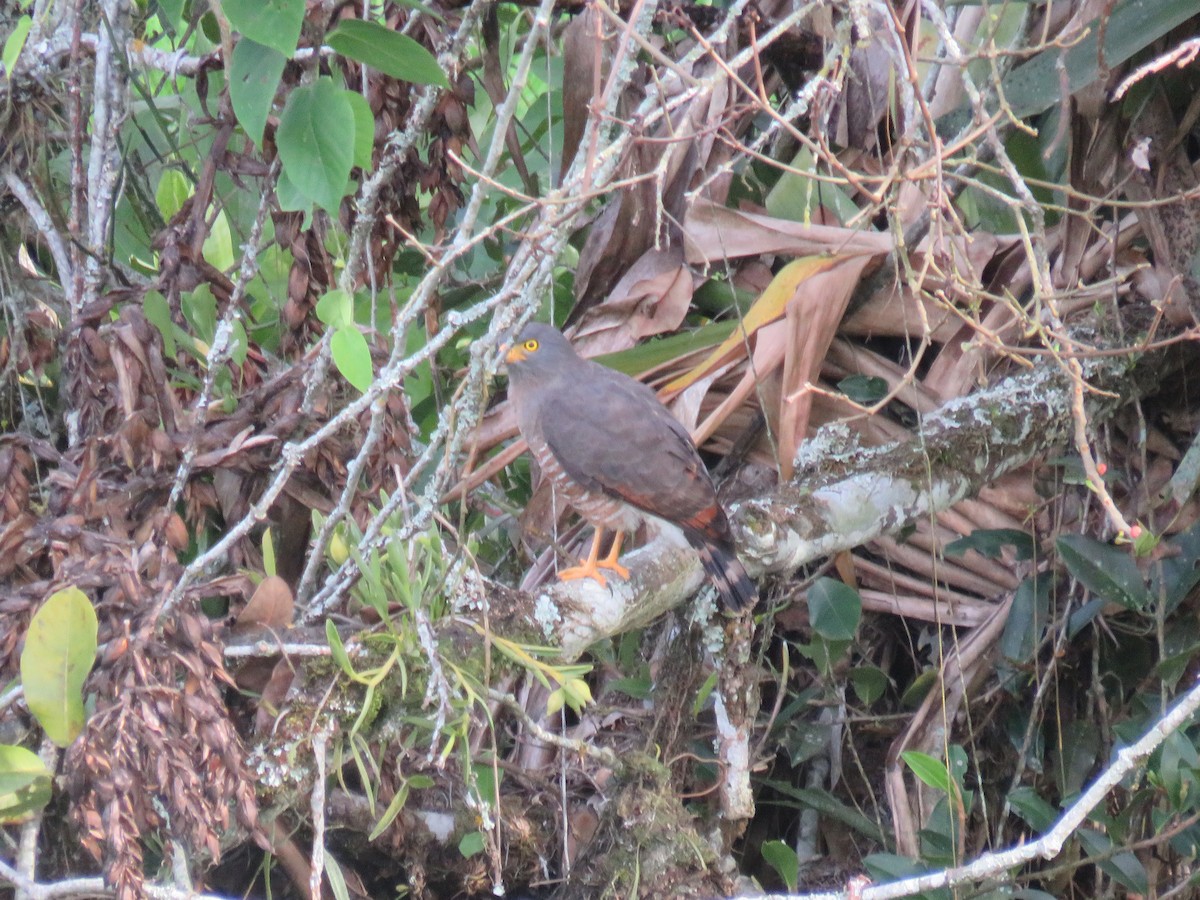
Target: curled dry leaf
(271, 607)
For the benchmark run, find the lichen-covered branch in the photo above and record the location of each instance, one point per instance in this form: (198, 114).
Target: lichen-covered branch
(845, 495)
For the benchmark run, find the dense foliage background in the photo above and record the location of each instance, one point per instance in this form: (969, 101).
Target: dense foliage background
(279, 607)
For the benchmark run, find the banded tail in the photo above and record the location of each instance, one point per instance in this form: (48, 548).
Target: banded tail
(708, 533)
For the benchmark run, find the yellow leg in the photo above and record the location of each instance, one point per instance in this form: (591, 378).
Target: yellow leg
(589, 568)
(610, 561)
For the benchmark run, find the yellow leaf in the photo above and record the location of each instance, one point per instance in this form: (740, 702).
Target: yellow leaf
(769, 307)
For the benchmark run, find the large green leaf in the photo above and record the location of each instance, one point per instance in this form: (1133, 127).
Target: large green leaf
(1109, 573)
(254, 74)
(364, 130)
(783, 860)
(1027, 619)
(1134, 24)
(352, 356)
(834, 609)
(1037, 812)
(990, 542)
(24, 783)
(388, 51)
(173, 191)
(60, 648)
(316, 145)
(274, 23)
(930, 770)
(15, 43)
(1123, 866)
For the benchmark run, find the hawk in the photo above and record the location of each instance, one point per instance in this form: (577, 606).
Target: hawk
(618, 456)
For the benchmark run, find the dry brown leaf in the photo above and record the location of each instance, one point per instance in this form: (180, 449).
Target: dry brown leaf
(813, 317)
(713, 234)
(586, 57)
(271, 606)
(651, 298)
(770, 306)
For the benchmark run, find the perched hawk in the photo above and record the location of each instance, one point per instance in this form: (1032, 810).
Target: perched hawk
(618, 456)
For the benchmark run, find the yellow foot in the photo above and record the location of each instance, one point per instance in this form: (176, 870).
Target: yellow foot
(614, 566)
(589, 569)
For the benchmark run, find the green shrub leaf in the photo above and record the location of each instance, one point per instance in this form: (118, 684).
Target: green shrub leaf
(834, 609)
(352, 356)
(60, 648)
(25, 783)
(254, 74)
(390, 52)
(783, 860)
(273, 23)
(313, 144)
(1109, 573)
(15, 43)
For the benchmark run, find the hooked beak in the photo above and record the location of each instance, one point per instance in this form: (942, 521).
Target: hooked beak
(512, 353)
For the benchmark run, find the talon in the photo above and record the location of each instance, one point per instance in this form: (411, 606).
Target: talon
(610, 561)
(590, 567)
(587, 570)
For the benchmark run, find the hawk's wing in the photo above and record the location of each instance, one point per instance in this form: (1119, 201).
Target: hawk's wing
(612, 435)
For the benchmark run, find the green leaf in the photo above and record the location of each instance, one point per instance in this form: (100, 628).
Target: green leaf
(885, 867)
(1109, 573)
(390, 52)
(171, 13)
(364, 130)
(158, 314)
(471, 844)
(312, 142)
(783, 860)
(834, 609)
(291, 200)
(273, 23)
(869, 683)
(831, 807)
(336, 308)
(1080, 750)
(218, 246)
(931, 771)
(918, 689)
(172, 192)
(703, 693)
(338, 650)
(990, 542)
(1124, 867)
(639, 688)
(200, 309)
(15, 43)
(1027, 620)
(863, 389)
(337, 880)
(60, 648)
(352, 356)
(1177, 766)
(1036, 812)
(239, 345)
(389, 814)
(254, 73)
(1134, 24)
(25, 783)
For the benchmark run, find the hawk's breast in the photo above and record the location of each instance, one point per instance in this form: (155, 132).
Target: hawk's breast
(597, 507)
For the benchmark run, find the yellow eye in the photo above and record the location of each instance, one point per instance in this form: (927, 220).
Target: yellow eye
(530, 345)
